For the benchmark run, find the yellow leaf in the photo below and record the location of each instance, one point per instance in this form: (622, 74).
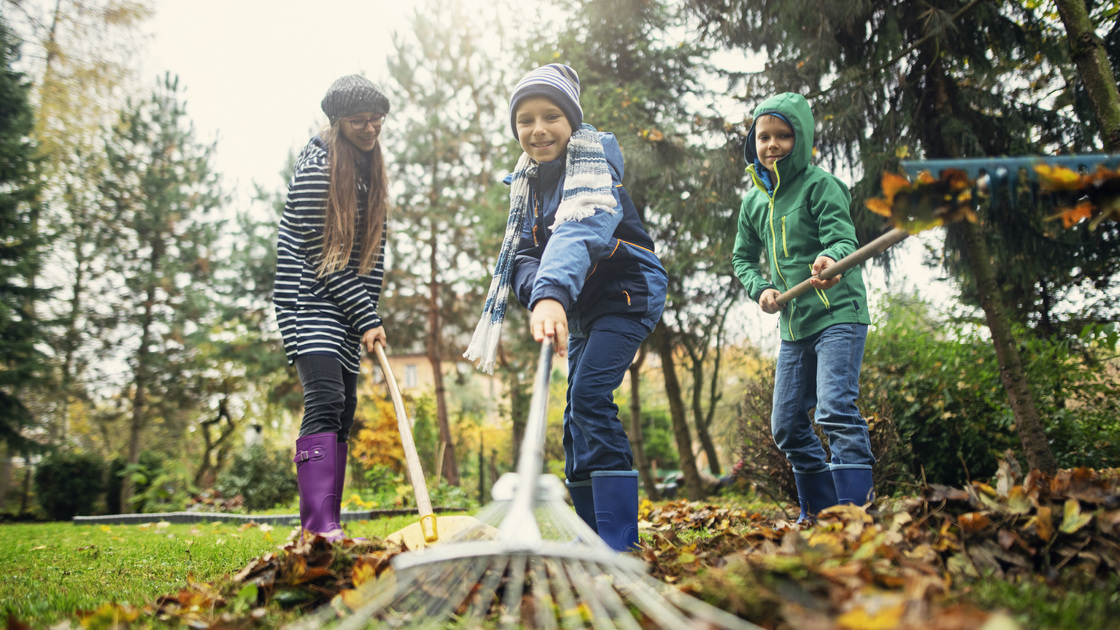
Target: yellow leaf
(1072, 518)
(878, 206)
(882, 619)
(363, 572)
(902, 152)
(1018, 501)
(1055, 178)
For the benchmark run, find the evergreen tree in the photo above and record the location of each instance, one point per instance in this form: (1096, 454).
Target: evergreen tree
(81, 54)
(890, 79)
(162, 197)
(447, 113)
(21, 333)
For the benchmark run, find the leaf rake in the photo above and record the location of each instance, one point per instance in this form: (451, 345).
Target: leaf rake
(543, 568)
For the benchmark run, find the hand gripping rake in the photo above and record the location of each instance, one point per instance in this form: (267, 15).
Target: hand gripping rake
(544, 568)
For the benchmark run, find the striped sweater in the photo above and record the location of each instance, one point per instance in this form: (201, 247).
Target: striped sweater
(327, 315)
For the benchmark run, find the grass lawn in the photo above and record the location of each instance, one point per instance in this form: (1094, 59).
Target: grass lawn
(52, 570)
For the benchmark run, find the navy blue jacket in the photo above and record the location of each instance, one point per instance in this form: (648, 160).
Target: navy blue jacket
(600, 265)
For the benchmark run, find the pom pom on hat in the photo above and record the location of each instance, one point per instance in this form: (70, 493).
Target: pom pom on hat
(556, 82)
(354, 94)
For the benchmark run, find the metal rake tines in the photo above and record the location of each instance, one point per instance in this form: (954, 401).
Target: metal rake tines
(555, 586)
(1003, 174)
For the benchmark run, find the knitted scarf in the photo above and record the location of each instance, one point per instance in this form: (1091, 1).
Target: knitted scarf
(587, 188)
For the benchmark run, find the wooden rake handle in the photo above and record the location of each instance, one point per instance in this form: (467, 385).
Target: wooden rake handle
(415, 472)
(861, 255)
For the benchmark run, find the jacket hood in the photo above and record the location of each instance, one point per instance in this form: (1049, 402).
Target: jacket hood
(795, 109)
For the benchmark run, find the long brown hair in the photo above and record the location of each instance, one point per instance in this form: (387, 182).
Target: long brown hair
(342, 205)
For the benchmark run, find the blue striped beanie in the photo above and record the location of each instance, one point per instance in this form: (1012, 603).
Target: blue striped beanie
(556, 82)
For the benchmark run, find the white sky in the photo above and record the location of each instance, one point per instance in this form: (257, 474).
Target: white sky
(256, 70)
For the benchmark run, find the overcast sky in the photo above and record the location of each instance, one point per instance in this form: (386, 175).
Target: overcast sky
(256, 70)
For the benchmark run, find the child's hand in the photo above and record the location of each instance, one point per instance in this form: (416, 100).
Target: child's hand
(768, 301)
(819, 265)
(372, 336)
(550, 320)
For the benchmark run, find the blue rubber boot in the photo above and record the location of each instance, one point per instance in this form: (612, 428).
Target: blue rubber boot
(616, 507)
(316, 457)
(854, 485)
(815, 492)
(583, 498)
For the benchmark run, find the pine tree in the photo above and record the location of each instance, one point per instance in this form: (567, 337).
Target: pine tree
(21, 248)
(162, 197)
(890, 79)
(446, 111)
(80, 54)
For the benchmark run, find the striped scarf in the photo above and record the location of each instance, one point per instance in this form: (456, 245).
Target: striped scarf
(587, 188)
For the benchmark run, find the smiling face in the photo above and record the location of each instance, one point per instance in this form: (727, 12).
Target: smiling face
(542, 129)
(362, 130)
(773, 140)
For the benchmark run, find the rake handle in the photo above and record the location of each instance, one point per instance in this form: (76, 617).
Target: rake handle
(861, 255)
(520, 526)
(412, 458)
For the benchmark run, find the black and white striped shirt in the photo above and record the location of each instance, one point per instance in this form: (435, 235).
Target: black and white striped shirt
(327, 315)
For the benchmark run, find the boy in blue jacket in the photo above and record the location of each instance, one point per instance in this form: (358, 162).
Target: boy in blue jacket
(798, 216)
(577, 256)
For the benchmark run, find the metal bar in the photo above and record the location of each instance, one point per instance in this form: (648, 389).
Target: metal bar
(1010, 166)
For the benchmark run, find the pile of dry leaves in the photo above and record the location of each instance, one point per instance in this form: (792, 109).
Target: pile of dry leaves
(894, 568)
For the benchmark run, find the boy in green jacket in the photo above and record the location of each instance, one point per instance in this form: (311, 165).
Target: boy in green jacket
(798, 215)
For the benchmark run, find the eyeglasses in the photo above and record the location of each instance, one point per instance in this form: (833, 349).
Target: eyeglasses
(357, 124)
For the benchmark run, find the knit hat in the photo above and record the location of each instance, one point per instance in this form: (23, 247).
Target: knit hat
(556, 82)
(354, 94)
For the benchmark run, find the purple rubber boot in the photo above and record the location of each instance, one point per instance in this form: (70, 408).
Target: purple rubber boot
(316, 469)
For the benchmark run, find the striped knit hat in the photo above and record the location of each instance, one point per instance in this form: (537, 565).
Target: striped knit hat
(556, 82)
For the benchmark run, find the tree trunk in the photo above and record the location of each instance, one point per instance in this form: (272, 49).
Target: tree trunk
(1028, 424)
(703, 420)
(694, 487)
(139, 398)
(1088, 53)
(518, 410)
(637, 442)
(450, 465)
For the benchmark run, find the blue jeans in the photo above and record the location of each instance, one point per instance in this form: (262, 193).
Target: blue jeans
(330, 395)
(822, 372)
(594, 437)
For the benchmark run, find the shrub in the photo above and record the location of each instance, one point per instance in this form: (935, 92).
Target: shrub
(150, 465)
(941, 380)
(262, 477)
(68, 484)
(162, 488)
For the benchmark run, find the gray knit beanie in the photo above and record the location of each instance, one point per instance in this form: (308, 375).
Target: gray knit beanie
(556, 82)
(354, 94)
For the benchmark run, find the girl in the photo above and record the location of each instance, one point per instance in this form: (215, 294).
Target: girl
(329, 271)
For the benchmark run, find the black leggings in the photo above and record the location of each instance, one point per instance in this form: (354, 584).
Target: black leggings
(330, 395)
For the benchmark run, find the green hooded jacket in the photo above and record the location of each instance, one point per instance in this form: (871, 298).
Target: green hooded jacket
(807, 215)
